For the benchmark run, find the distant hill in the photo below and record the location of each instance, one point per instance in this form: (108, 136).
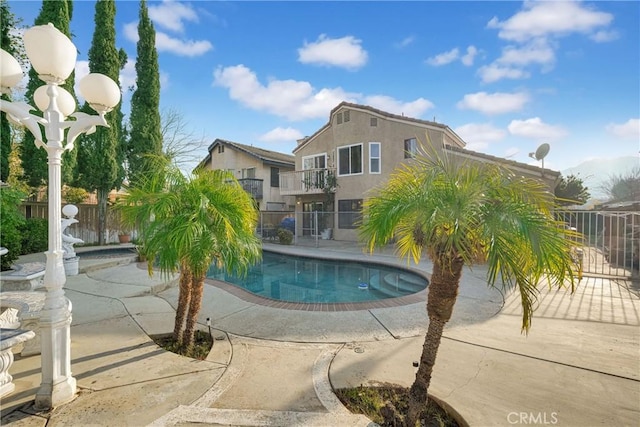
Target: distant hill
(594, 173)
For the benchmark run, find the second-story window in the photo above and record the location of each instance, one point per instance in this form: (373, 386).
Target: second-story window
(350, 160)
(220, 148)
(249, 173)
(374, 157)
(314, 162)
(339, 118)
(410, 148)
(275, 177)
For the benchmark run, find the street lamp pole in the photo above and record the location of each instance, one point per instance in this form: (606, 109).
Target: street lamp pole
(53, 56)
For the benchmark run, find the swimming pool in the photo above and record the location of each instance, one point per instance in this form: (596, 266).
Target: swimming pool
(310, 280)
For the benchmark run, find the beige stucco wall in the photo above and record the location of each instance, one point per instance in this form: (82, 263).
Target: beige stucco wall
(391, 133)
(235, 161)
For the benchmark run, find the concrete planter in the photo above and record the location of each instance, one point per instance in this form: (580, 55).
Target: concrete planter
(71, 266)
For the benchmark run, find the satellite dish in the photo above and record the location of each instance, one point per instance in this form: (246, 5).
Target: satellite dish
(541, 152)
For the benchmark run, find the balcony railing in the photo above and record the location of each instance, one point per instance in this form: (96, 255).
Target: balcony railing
(309, 181)
(252, 186)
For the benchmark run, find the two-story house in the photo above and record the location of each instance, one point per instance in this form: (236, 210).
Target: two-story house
(356, 151)
(258, 171)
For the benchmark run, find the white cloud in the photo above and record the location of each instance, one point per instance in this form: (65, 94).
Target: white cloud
(131, 31)
(444, 58)
(405, 42)
(345, 52)
(537, 51)
(164, 80)
(281, 134)
(494, 103)
(550, 18)
(181, 47)
(535, 128)
(468, 58)
(298, 100)
(128, 75)
(493, 73)
(604, 36)
(295, 100)
(479, 135)
(453, 55)
(410, 109)
(171, 14)
(628, 130)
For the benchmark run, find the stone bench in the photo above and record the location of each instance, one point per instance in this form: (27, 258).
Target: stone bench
(21, 309)
(9, 338)
(24, 277)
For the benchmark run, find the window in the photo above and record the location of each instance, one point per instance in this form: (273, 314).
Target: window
(346, 116)
(275, 177)
(410, 148)
(314, 162)
(339, 118)
(249, 173)
(349, 213)
(374, 157)
(314, 179)
(373, 121)
(220, 148)
(350, 160)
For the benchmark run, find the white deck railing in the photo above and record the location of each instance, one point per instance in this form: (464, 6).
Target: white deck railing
(309, 181)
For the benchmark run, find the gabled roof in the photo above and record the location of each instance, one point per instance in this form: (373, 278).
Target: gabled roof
(267, 156)
(381, 113)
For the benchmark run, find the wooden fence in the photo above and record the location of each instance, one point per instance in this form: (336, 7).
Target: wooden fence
(87, 226)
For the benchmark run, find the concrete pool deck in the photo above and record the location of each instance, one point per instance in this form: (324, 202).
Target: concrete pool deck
(579, 366)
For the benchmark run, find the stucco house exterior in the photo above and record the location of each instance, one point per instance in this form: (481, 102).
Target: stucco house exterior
(257, 169)
(356, 151)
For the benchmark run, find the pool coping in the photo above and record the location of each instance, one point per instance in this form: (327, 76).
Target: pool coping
(252, 298)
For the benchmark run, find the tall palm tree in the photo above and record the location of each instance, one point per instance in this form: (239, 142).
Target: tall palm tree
(186, 224)
(460, 213)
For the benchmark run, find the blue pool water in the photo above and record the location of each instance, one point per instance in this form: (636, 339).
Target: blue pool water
(310, 280)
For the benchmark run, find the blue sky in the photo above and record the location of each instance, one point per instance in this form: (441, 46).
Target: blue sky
(506, 76)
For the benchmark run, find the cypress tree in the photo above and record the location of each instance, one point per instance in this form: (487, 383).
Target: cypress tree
(145, 136)
(34, 159)
(100, 162)
(7, 22)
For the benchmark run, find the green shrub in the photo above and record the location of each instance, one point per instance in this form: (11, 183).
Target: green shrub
(11, 220)
(74, 195)
(285, 237)
(35, 236)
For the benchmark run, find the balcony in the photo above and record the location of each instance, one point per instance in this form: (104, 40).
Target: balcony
(309, 181)
(252, 186)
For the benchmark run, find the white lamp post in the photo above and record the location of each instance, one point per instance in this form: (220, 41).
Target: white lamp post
(53, 56)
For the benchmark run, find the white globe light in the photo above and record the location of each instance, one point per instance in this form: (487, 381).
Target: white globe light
(65, 101)
(10, 70)
(51, 53)
(70, 211)
(100, 92)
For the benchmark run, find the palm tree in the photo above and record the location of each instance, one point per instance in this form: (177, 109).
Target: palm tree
(460, 213)
(188, 223)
